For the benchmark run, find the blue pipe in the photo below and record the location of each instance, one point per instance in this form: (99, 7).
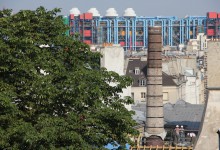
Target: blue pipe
(133, 34)
(127, 34)
(110, 31)
(180, 28)
(145, 33)
(146, 30)
(115, 31)
(166, 23)
(194, 29)
(171, 31)
(170, 35)
(107, 28)
(164, 32)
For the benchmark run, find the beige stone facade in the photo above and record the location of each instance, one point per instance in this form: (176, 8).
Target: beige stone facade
(170, 94)
(213, 61)
(208, 137)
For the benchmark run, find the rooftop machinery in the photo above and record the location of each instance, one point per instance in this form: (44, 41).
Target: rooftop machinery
(131, 31)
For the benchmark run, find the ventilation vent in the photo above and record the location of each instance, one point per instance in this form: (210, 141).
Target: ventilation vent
(111, 12)
(75, 11)
(129, 12)
(94, 11)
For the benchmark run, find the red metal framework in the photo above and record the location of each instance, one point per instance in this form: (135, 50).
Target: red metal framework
(212, 15)
(86, 24)
(213, 25)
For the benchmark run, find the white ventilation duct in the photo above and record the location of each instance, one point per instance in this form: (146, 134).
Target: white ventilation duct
(129, 12)
(94, 12)
(111, 12)
(75, 11)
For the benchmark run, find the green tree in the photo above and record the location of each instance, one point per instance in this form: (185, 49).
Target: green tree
(57, 96)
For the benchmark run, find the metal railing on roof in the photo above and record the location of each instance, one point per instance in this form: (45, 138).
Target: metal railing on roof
(161, 148)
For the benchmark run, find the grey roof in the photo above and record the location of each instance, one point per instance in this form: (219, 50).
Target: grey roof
(181, 113)
(132, 64)
(167, 80)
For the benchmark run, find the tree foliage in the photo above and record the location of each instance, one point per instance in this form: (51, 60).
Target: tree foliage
(56, 97)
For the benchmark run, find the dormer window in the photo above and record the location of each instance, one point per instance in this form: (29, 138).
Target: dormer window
(142, 82)
(137, 70)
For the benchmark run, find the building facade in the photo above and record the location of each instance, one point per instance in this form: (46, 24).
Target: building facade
(173, 88)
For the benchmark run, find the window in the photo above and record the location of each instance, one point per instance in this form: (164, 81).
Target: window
(142, 82)
(200, 62)
(165, 96)
(137, 70)
(132, 95)
(143, 94)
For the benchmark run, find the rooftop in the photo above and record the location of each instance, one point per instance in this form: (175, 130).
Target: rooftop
(136, 63)
(180, 113)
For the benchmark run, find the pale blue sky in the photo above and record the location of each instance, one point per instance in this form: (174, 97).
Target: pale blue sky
(179, 8)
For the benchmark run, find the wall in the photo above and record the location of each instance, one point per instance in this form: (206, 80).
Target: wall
(173, 94)
(208, 138)
(192, 90)
(113, 60)
(201, 86)
(137, 93)
(176, 66)
(213, 61)
(200, 43)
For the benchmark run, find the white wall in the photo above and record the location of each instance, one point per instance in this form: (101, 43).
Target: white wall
(202, 39)
(192, 90)
(113, 60)
(200, 43)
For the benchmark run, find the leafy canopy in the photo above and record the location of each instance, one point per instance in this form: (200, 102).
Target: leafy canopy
(56, 97)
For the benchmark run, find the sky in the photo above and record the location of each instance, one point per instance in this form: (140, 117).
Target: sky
(151, 8)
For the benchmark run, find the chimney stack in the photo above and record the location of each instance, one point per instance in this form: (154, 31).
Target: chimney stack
(154, 113)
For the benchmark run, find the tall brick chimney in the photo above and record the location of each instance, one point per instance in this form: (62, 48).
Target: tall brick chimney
(154, 105)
